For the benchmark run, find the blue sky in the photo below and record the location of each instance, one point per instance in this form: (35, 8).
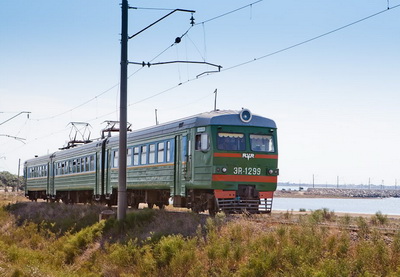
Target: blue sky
(335, 99)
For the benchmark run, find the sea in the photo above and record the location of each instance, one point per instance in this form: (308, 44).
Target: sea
(388, 206)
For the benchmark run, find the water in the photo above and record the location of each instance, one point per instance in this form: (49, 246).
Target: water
(389, 206)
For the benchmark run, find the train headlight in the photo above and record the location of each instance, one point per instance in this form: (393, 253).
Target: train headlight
(273, 172)
(245, 115)
(224, 170)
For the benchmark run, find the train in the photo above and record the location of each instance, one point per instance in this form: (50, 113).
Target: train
(222, 160)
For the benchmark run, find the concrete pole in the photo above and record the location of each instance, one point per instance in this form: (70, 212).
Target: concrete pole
(122, 198)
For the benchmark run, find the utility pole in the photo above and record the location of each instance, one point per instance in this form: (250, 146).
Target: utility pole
(19, 167)
(122, 198)
(122, 194)
(313, 180)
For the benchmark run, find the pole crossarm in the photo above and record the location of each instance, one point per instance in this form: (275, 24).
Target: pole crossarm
(170, 62)
(14, 117)
(16, 138)
(155, 22)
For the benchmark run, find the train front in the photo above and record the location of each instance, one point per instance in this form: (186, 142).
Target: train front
(245, 164)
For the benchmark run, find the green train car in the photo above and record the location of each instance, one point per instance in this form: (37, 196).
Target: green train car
(218, 160)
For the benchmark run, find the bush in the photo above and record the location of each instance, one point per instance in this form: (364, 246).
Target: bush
(379, 219)
(74, 244)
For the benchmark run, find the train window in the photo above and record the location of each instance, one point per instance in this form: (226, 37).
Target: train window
(152, 153)
(136, 155)
(197, 142)
(143, 156)
(82, 164)
(87, 164)
(168, 151)
(115, 162)
(201, 142)
(71, 167)
(262, 143)
(160, 152)
(231, 141)
(91, 163)
(129, 157)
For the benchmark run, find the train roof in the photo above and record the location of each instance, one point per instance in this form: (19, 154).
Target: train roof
(217, 117)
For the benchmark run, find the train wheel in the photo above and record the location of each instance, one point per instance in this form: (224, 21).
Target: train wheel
(135, 206)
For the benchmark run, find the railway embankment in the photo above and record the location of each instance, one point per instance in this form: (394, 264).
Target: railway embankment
(339, 193)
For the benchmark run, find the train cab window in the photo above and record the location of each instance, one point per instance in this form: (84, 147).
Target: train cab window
(262, 143)
(231, 141)
(115, 161)
(129, 157)
(160, 152)
(136, 156)
(143, 156)
(202, 142)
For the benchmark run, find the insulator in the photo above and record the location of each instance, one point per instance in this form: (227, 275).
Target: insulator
(192, 20)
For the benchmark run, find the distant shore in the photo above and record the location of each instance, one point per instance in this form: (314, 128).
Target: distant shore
(336, 193)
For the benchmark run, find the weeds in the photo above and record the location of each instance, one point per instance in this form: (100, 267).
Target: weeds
(158, 243)
(379, 219)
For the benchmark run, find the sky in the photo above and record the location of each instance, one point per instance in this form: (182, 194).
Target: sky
(327, 72)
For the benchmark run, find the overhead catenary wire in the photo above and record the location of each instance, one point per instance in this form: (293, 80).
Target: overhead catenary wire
(257, 58)
(228, 13)
(162, 52)
(269, 54)
(310, 40)
(223, 70)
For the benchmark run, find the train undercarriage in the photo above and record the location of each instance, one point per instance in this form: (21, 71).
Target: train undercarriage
(245, 200)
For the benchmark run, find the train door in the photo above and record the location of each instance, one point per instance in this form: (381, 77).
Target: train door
(180, 168)
(107, 173)
(50, 179)
(99, 172)
(177, 166)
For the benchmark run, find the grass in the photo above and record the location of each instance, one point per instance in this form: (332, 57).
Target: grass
(64, 240)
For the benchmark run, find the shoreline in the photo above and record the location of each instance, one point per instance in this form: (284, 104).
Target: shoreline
(337, 193)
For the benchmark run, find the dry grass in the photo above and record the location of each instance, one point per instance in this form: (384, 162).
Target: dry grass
(41, 239)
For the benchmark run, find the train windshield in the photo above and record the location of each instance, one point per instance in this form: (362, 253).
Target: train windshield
(262, 143)
(231, 141)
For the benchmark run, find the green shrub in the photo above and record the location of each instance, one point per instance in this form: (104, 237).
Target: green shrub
(379, 219)
(363, 228)
(345, 220)
(74, 244)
